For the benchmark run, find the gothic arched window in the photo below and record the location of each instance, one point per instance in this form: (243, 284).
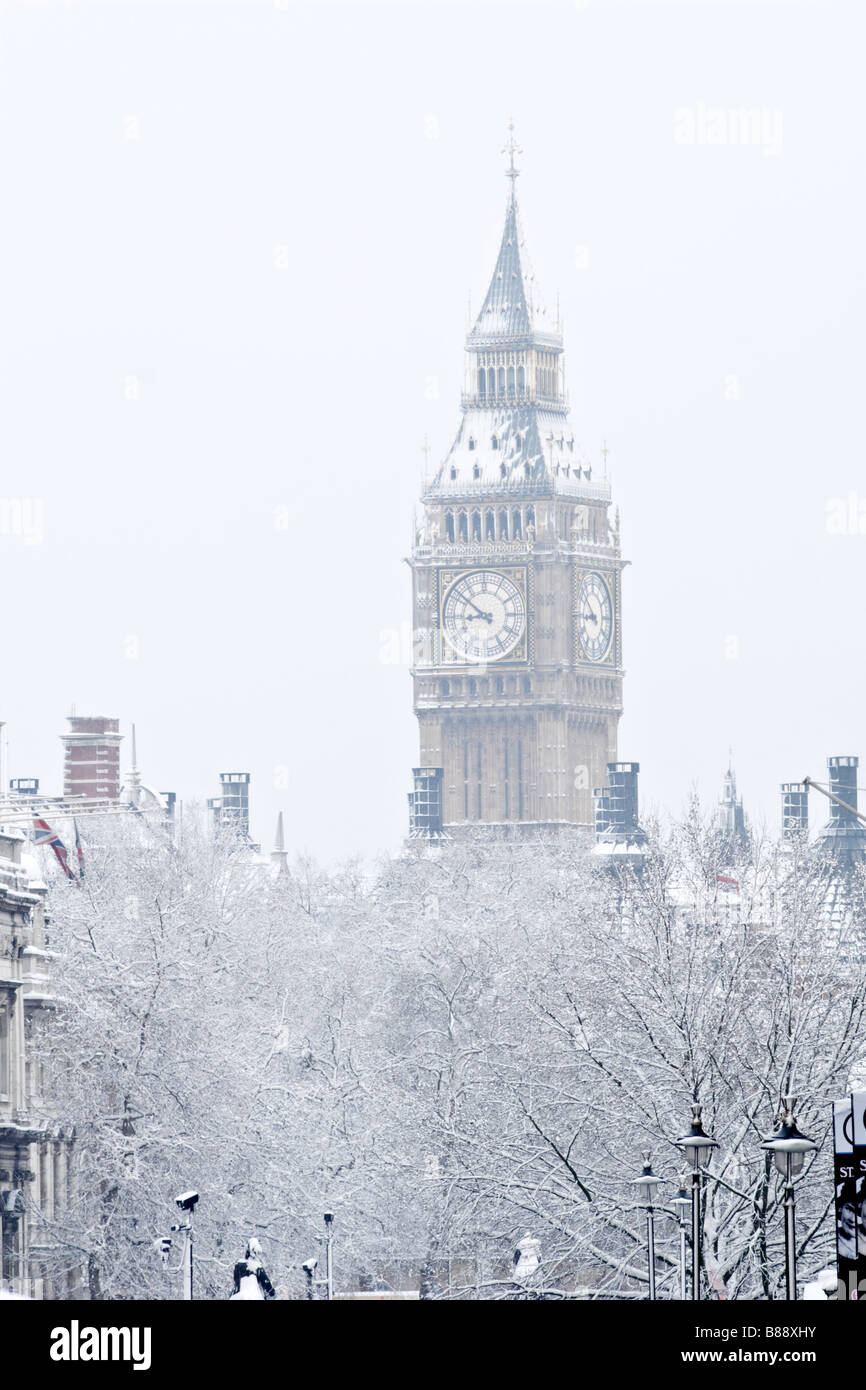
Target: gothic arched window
(449, 526)
(482, 381)
(503, 525)
(494, 443)
(502, 381)
(530, 516)
(471, 442)
(462, 526)
(489, 526)
(491, 382)
(476, 471)
(516, 525)
(453, 473)
(521, 379)
(511, 381)
(476, 526)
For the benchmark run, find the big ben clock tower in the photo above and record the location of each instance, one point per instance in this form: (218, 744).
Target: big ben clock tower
(516, 583)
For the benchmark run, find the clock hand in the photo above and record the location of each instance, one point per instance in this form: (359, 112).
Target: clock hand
(589, 617)
(478, 610)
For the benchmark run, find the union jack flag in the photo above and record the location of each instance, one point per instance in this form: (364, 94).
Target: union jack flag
(46, 836)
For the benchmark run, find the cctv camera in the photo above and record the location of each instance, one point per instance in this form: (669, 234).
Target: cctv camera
(186, 1201)
(309, 1267)
(329, 1216)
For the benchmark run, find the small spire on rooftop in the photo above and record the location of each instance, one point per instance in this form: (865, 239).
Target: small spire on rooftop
(279, 855)
(511, 148)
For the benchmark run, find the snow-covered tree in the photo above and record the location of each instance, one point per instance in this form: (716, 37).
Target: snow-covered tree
(468, 1048)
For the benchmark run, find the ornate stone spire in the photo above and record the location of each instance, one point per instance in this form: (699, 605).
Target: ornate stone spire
(512, 308)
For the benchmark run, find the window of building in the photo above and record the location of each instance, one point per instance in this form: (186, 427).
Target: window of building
(463, 526)
(482, 382)
(449, 526)
(489, 526)
(511, 381)
(476, 526)
(527, 686)
(494, 443)
(453, 473)
(476, 472)
(473, 686)
(501, 381)
(516, 525)
(491, 382)
(445, 687)
(502, 469)
(500, 686)
(471, 442)
(530, 516)
(521, 379)
(503, 526)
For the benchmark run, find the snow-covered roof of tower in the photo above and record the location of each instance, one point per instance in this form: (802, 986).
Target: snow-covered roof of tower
(517, 449)
(513, 307)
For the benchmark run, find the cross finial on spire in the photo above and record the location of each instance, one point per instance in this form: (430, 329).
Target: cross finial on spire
(511, 148)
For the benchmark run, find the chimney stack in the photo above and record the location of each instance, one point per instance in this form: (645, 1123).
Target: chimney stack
(616, 805)
(232, 809)
(91, 766)
(616, 808)
(425, 804)
(795, 808)
(844, 835)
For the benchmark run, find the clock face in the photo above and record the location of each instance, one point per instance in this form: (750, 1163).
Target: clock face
(594, 617)
(483, 616)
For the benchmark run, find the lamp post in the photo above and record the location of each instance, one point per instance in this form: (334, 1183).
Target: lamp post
(681, 1204)
(697, 1147)
(646, 1185)
(789, 1148)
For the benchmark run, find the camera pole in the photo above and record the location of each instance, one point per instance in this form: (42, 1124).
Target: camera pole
(329, 1262)
(187, 1257)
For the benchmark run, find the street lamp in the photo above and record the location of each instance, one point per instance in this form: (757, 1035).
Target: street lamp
(789, 1148)
(646, 1185)
(681, 1204)
(697, 1147)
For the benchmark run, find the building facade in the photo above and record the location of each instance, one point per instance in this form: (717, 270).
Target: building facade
(517, 582)
(34, 1156)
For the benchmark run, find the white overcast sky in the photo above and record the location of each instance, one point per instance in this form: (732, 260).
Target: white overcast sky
(271, 218)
